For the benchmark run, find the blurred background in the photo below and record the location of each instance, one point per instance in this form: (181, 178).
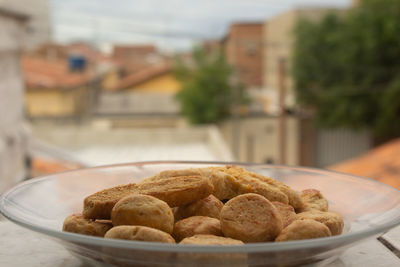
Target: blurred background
(310, 83)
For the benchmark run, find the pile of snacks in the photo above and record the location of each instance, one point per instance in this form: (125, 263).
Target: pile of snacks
(214, 205)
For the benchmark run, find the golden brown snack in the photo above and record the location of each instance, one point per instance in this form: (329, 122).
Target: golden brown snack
(293, 197)
(314, 200)
(250, 218)
(303, 229)
(100, 204)
(288, 215)
(143, 210)
(196, 225)
(209, 206)
(225, 185)
(210, 240)
(75, 223)
(332, 220)
(179, 190)
(139, 233)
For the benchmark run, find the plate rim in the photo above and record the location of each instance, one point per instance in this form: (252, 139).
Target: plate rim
(339, 240)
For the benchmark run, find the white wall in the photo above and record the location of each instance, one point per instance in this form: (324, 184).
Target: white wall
(13, 133)
(38, 27)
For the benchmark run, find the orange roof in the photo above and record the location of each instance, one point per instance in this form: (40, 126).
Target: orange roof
(143, 75)
(42, 73)
(381, 164)
(43, 166)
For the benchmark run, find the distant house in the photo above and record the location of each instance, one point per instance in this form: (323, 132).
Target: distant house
(243, 49)
(147, 94)
(62, 81)
(54, 89)
(278, 39)
(155, 78)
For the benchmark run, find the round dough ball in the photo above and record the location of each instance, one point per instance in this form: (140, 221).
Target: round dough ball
(143, 210)
(75, 223)
(303, 229)
(139, 233)
(210, 240)
(196, 225)
(209, 206)
(332, 220)
(250, 218)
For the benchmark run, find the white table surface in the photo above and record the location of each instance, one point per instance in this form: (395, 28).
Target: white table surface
(22, 247)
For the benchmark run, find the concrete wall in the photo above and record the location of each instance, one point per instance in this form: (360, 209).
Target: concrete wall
(38, 27)
(13, 133)
(56, 103)
(126, 102)
(165, 83)
(258, 139)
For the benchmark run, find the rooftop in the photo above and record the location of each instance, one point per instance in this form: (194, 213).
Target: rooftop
(143, 75)
(41, 73)
(381, 164)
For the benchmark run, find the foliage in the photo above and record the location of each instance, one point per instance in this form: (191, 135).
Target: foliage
(206, 95)
(347, 67)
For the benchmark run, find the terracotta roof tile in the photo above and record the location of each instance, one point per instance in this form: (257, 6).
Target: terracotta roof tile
(43, 166)
(381, 164)
(143, 75)
(41, 73)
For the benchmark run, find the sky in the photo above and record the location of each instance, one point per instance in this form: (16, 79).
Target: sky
(169, 24)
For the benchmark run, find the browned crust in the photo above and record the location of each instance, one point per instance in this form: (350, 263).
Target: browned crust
(100, 204)
(177, 191)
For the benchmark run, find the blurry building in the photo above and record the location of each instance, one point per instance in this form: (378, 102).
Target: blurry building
(55, 89)
(278, 49)
(63, 81)
(38, 27)
(13, 132)
(132, 58)
(143, 98)
(244, 51)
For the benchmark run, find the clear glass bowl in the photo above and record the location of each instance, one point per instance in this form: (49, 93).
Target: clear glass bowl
(369, 208)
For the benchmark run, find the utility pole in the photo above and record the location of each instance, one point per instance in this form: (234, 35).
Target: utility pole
(282, 110)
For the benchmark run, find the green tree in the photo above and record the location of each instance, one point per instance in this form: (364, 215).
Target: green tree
(347, 68)
(206, 95)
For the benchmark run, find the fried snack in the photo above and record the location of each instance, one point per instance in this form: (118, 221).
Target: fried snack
(143, 210)
(303, 229)
(139, 233)
(100, 204)
(196, 225)
(209, 206)
(288, 215)
(293, 197)
(225, 185)
(250, 218)
(75, 223)
(314, 200)
(331, 219)
(177, 191)
(210, 240)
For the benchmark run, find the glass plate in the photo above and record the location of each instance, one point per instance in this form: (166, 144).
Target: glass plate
(369, 208)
